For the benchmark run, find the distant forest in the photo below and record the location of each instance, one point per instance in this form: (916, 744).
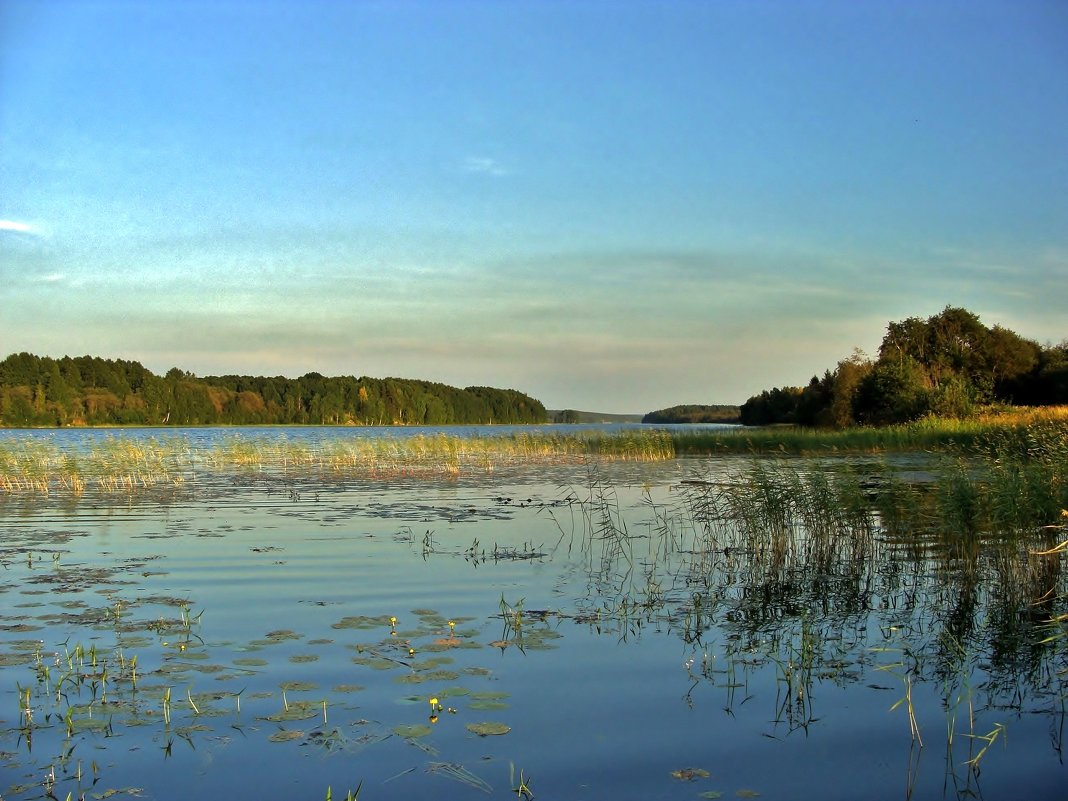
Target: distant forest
(694, 414)
(87, 390)
(947, 365)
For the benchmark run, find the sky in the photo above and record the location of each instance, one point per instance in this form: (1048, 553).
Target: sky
(615, 206)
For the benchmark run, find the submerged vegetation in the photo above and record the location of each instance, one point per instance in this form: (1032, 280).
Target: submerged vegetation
(86, 390)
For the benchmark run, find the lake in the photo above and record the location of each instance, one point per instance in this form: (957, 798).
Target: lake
(555, 628)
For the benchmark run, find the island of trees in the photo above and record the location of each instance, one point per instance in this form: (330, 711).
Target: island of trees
(948, 365)
(88, 390)
(694, 413)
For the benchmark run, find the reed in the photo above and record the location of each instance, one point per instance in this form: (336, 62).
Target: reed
(930, 433)
(123, 465)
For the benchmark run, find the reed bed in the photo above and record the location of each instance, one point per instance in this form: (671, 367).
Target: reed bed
(783, 515)
(113, 465)
(930, 434)
(126, 464)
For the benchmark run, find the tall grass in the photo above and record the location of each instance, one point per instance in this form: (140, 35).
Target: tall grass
(930, 433)
(126, 464)
(114, 464)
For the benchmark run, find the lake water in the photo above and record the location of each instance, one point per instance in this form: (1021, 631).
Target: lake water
(571, 619)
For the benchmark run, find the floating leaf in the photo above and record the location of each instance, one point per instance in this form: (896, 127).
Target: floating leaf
(347, 688)
(281, 635)
(412, 731)
(689, 774)
(433, 662)
(452, 692)
(376, 663)
(747, 793)
(298, 686)
(488, 729)
(488, 706)
(441, 675)
(286, 735)
(298, 710)
(711, 794)
(361, 622)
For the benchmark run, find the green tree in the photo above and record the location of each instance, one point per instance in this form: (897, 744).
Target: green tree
(892, 392)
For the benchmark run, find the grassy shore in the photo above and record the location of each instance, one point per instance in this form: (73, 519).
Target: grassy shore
(930, 434)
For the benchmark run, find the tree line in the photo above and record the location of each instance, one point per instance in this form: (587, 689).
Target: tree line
(694, 413)
(947, 365)
(88, 390)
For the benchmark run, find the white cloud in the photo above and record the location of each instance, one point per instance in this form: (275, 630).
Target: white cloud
(17, 227)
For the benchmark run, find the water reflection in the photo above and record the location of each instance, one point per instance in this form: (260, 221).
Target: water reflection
(795, 604)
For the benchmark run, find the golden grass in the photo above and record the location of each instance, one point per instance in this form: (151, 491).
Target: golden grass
(125, 464)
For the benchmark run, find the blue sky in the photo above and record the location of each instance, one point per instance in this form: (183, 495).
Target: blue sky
(616, 206)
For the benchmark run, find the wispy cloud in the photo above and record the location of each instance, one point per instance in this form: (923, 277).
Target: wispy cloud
(483, 165)
(17, 227)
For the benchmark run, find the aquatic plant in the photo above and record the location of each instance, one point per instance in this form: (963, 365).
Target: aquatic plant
(351, 795)
(124, 465)
(520, 787)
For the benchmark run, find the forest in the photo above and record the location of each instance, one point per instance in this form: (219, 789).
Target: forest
(694, 413)
(949, 365)
(88, 390)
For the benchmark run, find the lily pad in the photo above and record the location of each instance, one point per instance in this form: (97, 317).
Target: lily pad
(376, 663)
(488, 729)
(286, 735)
(413, 731)
(298, 686)
(488, 706)
(361, 622)
(281, 635)
(297, 710)
(690, 774)
(348, 688)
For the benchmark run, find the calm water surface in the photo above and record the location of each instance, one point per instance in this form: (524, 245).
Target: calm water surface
(622, 656)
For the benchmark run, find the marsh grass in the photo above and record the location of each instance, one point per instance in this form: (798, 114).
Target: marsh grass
(931, 433)
(1016, 480)
(125, 465)
(111, 465)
